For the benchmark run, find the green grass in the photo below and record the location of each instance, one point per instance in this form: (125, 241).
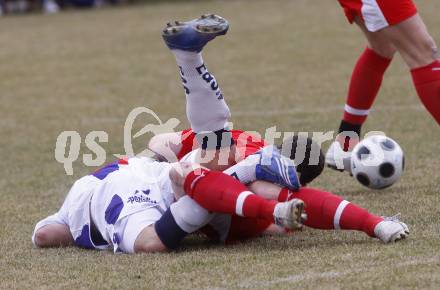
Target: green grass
(284, 63)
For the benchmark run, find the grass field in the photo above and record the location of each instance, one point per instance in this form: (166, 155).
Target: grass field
(283, 63)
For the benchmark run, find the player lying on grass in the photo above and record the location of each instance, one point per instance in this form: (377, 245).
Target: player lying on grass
(325, 210)
(389, 26)
(125, 205)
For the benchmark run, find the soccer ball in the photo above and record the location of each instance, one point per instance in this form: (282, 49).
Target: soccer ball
(377, 162)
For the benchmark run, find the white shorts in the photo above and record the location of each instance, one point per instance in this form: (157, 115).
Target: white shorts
(131, 226)
(75, 212)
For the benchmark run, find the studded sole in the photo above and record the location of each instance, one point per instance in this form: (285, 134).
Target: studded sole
(211, 23)
(298, 214)
(207, 23)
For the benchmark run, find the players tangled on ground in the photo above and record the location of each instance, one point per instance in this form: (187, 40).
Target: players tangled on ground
(245, 189)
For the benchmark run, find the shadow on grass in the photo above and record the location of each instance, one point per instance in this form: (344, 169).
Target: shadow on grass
(315, 239)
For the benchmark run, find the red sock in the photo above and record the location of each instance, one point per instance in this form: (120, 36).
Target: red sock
(365, 83)
(328, 211)
(427, 82)
(218, 192)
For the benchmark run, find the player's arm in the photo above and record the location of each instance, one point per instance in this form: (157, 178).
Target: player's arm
(172, 147)
(166, 146)
(53, 235)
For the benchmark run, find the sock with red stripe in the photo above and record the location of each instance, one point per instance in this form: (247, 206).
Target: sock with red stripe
(218, 192)
(427, 82)
(328, 211)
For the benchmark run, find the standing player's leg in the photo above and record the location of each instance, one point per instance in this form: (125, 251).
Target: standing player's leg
(420, 52)
(388, 27)
(366, 80)
(206, 108)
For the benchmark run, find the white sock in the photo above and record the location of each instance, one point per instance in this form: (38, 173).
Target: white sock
(244, 171)
(206, 108)
(189, 215)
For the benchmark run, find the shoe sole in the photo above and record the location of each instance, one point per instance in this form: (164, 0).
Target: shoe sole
(402, 235)
(334, 167)
(206, 24)
(298, 214)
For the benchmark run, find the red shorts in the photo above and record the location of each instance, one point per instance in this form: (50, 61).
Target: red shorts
(378, 14)
(246, 228)
(236, 229)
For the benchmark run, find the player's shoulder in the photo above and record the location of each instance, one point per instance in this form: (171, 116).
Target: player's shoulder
(247, 136)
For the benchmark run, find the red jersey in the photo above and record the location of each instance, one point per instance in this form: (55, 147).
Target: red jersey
(240, 228)
(246, 143)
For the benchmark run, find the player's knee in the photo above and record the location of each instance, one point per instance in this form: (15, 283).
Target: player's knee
(418, 50)
(430, 47)
(148, 242)
(150, 247)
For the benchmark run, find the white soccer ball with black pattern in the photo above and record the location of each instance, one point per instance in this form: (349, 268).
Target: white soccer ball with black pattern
(377, 162)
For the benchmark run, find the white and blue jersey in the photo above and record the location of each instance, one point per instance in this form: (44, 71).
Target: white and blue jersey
(121, 199)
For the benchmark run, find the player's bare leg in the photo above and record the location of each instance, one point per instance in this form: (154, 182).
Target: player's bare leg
(420, 52)
(412, 41)
(149, 242)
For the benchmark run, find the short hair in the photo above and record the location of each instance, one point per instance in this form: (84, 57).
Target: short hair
(306, 154)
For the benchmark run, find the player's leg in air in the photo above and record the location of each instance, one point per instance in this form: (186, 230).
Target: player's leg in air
(389, 27)
(206, 108)
(208, 113)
